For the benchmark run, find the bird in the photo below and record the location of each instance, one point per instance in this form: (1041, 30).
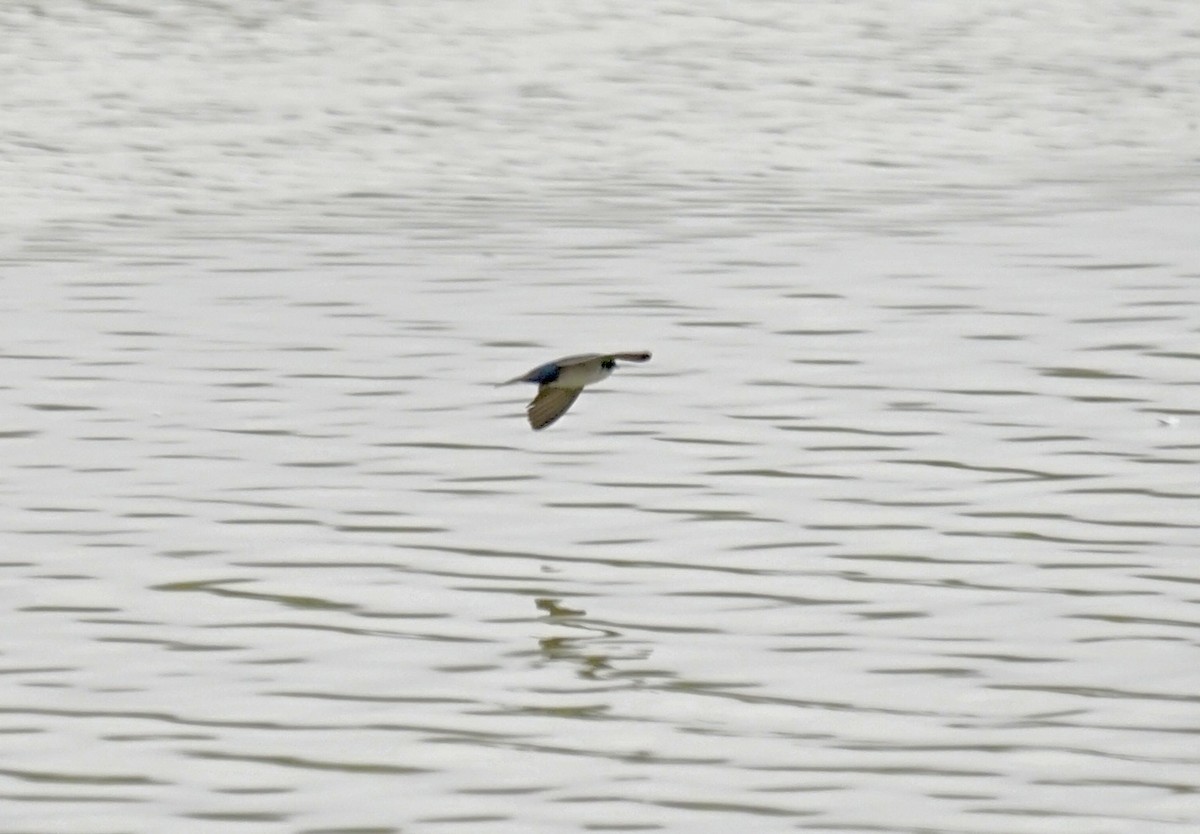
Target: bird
(560, 382)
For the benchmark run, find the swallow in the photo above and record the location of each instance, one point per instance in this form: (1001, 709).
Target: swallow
(560, 382)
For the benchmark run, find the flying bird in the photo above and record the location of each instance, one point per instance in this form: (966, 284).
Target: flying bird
(560, 382)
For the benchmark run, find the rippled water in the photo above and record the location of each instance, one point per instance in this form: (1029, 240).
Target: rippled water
(897, 531)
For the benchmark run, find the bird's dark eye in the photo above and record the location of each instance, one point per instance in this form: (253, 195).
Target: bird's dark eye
(608, 364)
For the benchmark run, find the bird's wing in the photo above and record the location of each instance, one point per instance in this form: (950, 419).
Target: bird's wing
(549, 372)
(577, 359)
(550, 404)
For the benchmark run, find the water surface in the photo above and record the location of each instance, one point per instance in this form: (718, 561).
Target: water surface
(895, 533)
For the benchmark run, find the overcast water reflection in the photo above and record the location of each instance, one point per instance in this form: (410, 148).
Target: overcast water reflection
(897, 531)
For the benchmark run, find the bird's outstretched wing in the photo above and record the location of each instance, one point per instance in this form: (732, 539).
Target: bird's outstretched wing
(549, 372)
(550, 404)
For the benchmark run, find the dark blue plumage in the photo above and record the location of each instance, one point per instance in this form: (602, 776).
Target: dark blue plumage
(543, 374)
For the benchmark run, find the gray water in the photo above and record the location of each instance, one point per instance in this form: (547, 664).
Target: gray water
(896, 533)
